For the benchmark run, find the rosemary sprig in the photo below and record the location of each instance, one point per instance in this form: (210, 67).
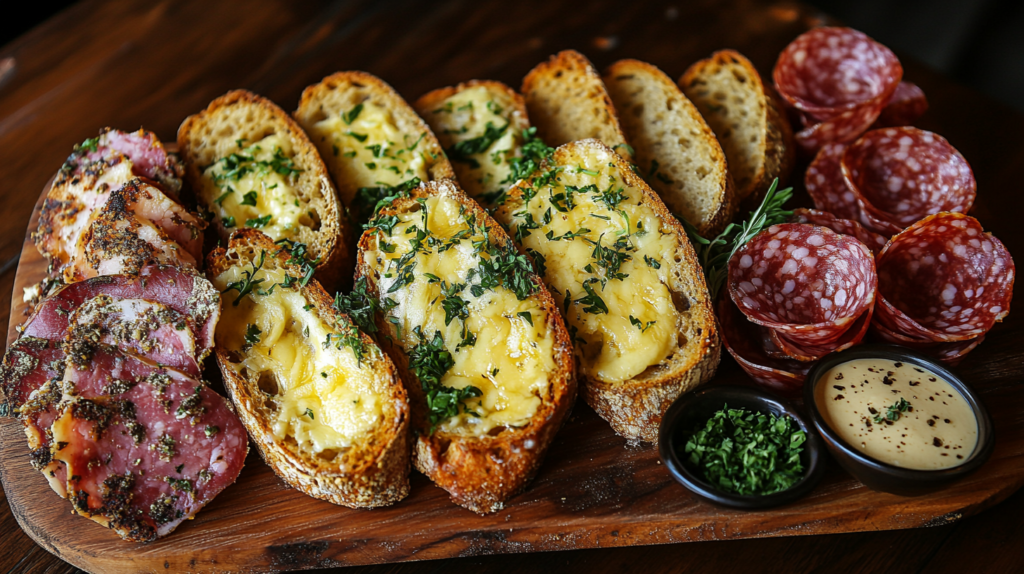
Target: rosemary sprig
(714, 254)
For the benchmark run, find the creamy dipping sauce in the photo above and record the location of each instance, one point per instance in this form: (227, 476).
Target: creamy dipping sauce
(898, 413)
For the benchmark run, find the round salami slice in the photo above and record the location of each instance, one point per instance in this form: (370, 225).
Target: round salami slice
(903, 174)
(950, 353)
(853, 336)
(944, 279)
(874, 241)
(907, 104)
(826, 72)
(741, 340)
(826, 185)
(809, 283)
(843, 128)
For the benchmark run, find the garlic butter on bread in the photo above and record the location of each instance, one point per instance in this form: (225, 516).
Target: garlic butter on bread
(480, 123)
(623, 272)
(677, 153)
(251, 166)
(567, 101)
(374, 144)
(324, 406)
(477, 339)
(748, 119)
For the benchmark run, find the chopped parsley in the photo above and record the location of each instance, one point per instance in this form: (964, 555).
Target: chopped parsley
(252, 336)
(249, 199)
(464, 150)
(248, 282)
(747, 452)
(893, 412)
(351, 115)
(368, 200)
(258, 222)
(429, 361)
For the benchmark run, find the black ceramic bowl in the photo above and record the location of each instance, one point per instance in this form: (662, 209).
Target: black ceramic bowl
(695, 408)
(886, 477)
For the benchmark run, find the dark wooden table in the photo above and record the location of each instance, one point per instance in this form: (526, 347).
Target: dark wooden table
(143, 63)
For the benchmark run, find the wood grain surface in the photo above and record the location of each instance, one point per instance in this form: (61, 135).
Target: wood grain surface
(128, 64)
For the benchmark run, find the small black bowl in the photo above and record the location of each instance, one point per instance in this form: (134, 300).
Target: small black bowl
(697, 407)
(881, 476)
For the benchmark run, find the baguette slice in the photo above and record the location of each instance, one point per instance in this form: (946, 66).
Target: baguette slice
(301, 205)
(676, 151)
(342, 437)
(520, 357)
(622, 269)
(748, 119)
(567, 101)
(374, 143)
(480, 123)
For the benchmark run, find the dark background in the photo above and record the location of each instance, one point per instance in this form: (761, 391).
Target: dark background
(979, 43)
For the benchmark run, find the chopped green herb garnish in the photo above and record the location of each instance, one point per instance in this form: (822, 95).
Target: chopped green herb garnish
(249, 199)
(258, 222)
(309, 411)
(893, 412)
(351, 115)
(463, 151)
(248, 282)
(252, 336)
(430, 360)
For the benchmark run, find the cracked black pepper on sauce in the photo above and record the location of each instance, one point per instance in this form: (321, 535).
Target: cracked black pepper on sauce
(898, 413)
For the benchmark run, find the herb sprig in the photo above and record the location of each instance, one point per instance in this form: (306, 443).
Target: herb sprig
(714, 254)
(747, 452)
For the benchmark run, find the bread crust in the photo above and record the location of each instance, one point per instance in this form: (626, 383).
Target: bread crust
(353, 87)
(373, 473)
(334, 237)
(635, 407)
(547, 94)
(480, 473)
(776, 145)
(724, 199)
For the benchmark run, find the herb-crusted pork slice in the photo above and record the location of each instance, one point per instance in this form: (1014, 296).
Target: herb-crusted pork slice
(479, 342)
(482, 126)
(626, 279)
(375, 145)
(323, 404)
(145, 447)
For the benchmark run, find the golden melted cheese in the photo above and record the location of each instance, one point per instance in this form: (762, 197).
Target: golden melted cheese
(324, 398)
(258, 191)
(639, 327)
(370, 150)
(467, 115)
(512, 359)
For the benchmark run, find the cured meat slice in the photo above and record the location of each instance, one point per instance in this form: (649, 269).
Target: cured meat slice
(741, 340)
(30, 378)
(852, 336)
(144, 328)
(874, 241)
(944, 279)
(185, 292)
(826, 186)
(907, 104)
(950, 353)
(84, 182)
(900, 175)
(137, 226)
(145, 447)
(807, 282)
(839, 79)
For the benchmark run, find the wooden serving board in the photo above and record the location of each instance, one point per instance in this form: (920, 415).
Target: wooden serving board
(593, 490)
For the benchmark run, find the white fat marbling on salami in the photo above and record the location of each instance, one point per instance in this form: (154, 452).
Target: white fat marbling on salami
(872, 240)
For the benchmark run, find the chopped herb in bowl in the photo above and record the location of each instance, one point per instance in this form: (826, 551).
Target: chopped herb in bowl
(746, 452)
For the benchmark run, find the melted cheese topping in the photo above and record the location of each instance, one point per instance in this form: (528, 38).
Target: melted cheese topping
(512, 359)
(370, 150)
(467, 115)
(592, 204)
(258, 190)
(324, 399)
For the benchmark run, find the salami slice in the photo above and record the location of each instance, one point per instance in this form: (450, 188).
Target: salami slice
(874, 241)
(853, 336)
(741, 340)
(950, 353)
(840, 129)
(826, 185)
(944, 279)
(907, 104)
(809, 283)
(901, 175)
(145, 447)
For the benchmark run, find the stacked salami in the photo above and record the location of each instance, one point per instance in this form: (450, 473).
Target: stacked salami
(797, 292)
(838, 82)
(106, 375)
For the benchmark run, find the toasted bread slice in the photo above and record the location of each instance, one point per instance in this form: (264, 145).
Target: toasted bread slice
(477, 339)
(567, 101)
(676, 151)
(748, 119)
(252, 166)
(323, 404)
(374, 143)
(481, 125)
(628, 281)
